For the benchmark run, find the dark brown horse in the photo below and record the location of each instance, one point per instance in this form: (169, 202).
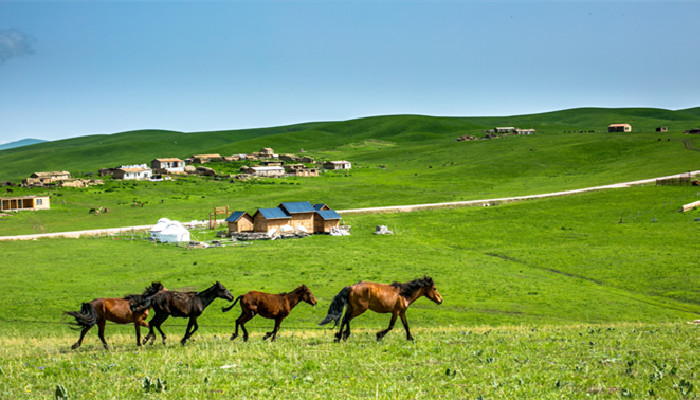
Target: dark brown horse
(180, 304)
(114, 309)
(270, 306)
(394, 299)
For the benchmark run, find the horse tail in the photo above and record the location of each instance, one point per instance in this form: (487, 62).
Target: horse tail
(85, 318)
(335, 311)
(226, 309)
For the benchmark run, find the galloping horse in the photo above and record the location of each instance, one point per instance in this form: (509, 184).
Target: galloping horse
(270, 306)
(180, 304)
(394, 299)
(114, 309)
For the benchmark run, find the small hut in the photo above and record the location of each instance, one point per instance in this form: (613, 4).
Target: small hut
(325, 221)
(240, 221)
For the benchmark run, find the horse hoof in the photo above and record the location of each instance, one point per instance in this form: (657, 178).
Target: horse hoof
(75, 346)
(233, 337)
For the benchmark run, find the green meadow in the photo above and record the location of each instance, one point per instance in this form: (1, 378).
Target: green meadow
(584, 296)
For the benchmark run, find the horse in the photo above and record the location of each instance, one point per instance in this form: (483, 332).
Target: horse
(380, 298)
(114, 309)
(270, 306)
(180, 304)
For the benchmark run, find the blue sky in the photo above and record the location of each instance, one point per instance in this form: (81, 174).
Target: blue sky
(77, 68)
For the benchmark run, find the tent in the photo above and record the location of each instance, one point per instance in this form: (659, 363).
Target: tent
(174, 232)
(158, 228)
(169, 231)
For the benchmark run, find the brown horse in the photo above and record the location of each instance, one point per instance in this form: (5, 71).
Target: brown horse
(180, 304)
(270, 306)
(394, 299)
(114, 309)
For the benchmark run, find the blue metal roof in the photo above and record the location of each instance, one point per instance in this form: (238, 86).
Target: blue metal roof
(318, 207)
(296, 207)
(329, 214)
(273, 213)
(235, 216)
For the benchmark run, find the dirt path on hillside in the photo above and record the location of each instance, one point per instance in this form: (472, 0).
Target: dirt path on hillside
(369, 210)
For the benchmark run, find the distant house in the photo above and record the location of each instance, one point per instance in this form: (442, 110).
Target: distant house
(504, 129)
(266, 219)
(205, 158)
(240, 221)
(133, 172)
(302, 214)
(528, 131)
(662, 129)
(301, 170)
(168, 165)
(337, 165)
(266, 152)
(326, 220)
(692, 131)
(47, 177)
(619, 128)
(25, 203)
(267, 172)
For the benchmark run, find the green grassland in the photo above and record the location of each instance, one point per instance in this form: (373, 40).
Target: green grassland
(585, 296)
(542, 299)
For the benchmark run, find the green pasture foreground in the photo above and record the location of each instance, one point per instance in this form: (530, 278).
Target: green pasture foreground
(655, 361)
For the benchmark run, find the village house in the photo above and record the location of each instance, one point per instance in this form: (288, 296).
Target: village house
(267, 219)
(528, 131)
(25, 203)
(47, 177)
(266, 172)
(133, 172)
(302, 215)
(164, 166)
(504, 129)
(337, 165)
(619, 128)
(204, 158)
(240, 221)
(662, 129)
(266, 152)
(300, 170)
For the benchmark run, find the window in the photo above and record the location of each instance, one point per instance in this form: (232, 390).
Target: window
(38, 202)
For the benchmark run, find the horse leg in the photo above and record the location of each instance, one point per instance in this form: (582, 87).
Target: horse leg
(405, 326)
(242, 319)
(80, 340)
(137, 328)
(155, 322)
(101, 332)
(381, 334)
(345, 321)
(273, 333)
(192, 323)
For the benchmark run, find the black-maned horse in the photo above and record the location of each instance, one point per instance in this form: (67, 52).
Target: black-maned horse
(113, 309)
(380, 298)
(181, 304)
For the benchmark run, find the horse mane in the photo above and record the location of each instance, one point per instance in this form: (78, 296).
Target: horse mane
(150, 291)
(409, 288)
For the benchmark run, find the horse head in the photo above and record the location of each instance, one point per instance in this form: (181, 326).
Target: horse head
(307, 296)
(431, 291)
(222, 292)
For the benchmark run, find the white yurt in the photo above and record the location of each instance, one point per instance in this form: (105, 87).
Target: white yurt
(158, 228)
(174, 232)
